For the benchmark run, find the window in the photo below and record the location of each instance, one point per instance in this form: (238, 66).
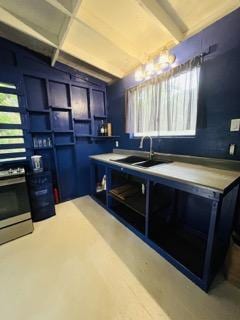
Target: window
(11, 133)
(165, 105)
(8, 99)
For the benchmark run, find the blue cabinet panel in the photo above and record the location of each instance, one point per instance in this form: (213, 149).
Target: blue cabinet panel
(62, 138)
(82, 128)
(80, 102)
(67, 169)
(39, 122)
(36, 93)
(62, 120)
(59, 94)
(98, 103)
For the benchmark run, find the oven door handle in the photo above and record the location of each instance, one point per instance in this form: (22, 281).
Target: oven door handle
(12, 181)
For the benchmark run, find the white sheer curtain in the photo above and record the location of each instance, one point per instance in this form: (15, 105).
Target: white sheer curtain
(165, 105)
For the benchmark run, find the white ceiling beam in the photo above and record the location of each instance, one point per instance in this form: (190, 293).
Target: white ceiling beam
(59, 6)
(103, 29)
(16, 23)
(153, 8)
(64, 31)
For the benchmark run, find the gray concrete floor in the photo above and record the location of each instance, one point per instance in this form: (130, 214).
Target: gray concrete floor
(84, 265)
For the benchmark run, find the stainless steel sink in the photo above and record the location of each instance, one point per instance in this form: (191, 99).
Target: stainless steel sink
(151, 163)
(130, 160)
(140, 161)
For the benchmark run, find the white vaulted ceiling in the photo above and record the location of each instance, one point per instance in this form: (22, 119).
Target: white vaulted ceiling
(106, 38)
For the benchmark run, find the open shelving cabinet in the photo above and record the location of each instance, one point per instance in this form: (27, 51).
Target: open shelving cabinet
(189, 226)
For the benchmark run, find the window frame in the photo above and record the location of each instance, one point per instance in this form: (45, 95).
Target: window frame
(190, 133)
(13, 156)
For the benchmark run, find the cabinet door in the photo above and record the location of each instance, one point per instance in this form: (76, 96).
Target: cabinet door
(80, 102)
(98, 103)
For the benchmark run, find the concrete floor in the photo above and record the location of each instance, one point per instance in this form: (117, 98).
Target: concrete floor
(84, 265)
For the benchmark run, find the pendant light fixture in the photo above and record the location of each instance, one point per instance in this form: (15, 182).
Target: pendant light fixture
(152, 68)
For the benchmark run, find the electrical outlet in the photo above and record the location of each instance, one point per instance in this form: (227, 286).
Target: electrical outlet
(116, 144)
(235, 125)
(232, 149)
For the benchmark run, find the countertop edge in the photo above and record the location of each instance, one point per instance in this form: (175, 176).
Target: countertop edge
(144, 171)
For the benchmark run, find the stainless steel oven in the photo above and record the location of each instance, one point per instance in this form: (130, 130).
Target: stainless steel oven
(15, 216)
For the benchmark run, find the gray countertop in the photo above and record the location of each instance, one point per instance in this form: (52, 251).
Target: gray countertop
(197, 175)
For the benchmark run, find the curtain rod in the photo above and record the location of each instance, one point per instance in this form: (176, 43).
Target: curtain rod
(211, 49)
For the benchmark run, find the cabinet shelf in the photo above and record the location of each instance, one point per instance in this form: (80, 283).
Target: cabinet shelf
(136, 202)
(98, 117)
(61, 108)
(64, 144)
(104, 137)
(82, 120)
(62, 131)
(83, 135)
(41, 131)
(37, 110)
(129, 217)
(42, 148)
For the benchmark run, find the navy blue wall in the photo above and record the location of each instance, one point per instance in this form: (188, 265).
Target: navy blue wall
(219, 96)
(68, 162)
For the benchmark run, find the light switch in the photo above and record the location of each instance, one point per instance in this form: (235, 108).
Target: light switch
(235, 125)
(232, 149)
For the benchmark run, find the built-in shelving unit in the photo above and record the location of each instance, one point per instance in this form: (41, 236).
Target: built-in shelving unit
(62, 113)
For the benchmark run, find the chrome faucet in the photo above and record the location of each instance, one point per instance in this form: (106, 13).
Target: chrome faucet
(151, 153)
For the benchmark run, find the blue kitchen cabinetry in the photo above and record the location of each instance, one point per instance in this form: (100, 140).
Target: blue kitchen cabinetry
(190, 226)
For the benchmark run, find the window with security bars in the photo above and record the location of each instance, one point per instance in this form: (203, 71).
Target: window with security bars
(11, 133)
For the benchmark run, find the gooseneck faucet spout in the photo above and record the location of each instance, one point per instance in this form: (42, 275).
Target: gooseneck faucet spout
(150, 149)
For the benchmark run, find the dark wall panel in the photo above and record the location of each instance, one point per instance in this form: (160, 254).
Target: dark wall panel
(80, 102)
(67, 169)
(36, 92)
(99, 106)
(59, 94)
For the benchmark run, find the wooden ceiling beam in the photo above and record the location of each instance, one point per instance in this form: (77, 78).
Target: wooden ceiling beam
(153, 8)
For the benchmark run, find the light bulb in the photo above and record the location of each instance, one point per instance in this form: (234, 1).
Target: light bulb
(163, 58)
(139, 74)
(149, 70)
(171, 58)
